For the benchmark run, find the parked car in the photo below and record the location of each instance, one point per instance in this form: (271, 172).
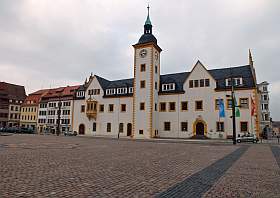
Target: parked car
(70, 133)
(247, 138)
(26, 130)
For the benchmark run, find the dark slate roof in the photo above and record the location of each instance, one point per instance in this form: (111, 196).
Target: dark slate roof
(147, 38)
(179, 78)
(242, 71)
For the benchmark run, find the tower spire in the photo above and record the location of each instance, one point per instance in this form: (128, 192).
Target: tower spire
(148, 21)
(251, 62)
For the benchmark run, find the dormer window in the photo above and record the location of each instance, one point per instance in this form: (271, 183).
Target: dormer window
(121, 90)
(110, 91)
(80, 94)
(168, 87)
(237, 81)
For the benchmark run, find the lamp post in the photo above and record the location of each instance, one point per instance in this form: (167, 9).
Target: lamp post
(233, 112)
(58, 116)
(233, 106)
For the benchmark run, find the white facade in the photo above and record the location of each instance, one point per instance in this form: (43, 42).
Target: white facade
(179, 105)
(208, 115)
(265, 123)
(48, 115)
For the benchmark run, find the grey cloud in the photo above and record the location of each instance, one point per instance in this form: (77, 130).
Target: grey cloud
(64, 44)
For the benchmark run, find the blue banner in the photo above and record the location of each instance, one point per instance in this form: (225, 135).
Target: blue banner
(221, 108)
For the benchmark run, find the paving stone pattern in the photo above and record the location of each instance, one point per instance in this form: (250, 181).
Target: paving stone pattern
(276, 152)
(255, 174)
(50, 166)
(197, 184)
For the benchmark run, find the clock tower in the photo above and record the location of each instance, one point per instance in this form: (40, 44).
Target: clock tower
(146, 84)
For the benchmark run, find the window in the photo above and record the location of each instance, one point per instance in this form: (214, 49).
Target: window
(184, 126)
(167, 126)
(156, 69)
(229, 103)
(82, 108)
(108, 127)
(244, 103)
(66, 104)
(265, 97)
(266, 117)
(142, 106)
(155, 85)
(142, 84)
(198, 105)
(155, 106)
(265, 88)
(237, 81)
(130, 90)
(94, 126)
(123, 107)
(195, 83)
(244, 126)
(111, 107)
(142, 67)
(207, 82)
(141, 132)
(12, 108)
(184, 106)
(121, 90)
(191, 84)
(121, 127)
(101, 108)
(110, 91)
(168, 87)
(162, 106)
(220, 127)
(201, 82)
(217, 103)
(172, 106)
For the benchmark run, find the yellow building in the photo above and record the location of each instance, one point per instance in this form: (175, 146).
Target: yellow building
(29, 110)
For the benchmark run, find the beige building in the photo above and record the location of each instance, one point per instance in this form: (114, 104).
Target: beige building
(29, 110)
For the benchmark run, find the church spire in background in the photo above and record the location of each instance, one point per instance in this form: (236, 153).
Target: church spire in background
(251, 62)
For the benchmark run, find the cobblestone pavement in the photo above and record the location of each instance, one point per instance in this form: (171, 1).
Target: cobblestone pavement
(255, 174)
(50, 166)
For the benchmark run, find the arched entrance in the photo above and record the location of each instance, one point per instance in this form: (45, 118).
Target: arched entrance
(129, 129)
(199, 128)
(81, 129)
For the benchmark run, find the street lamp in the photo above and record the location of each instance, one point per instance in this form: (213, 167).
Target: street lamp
(233, 106)
(58, 115)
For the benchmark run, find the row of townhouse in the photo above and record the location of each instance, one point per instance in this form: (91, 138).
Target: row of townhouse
(44, 109)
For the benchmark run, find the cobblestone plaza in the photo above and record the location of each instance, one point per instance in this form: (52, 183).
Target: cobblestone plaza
(50, 166)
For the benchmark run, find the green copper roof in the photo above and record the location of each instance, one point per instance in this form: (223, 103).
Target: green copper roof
(148, 21)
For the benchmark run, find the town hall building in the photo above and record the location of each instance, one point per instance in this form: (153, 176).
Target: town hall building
(177, 105)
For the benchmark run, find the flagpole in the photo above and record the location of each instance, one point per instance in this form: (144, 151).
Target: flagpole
(251, 113)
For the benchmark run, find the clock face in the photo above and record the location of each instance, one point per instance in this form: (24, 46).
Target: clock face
(156, 55)
(143, 53)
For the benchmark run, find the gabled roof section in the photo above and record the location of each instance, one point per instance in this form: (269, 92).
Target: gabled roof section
(198, 63)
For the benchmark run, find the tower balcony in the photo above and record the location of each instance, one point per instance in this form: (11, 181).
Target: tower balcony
(91, 110)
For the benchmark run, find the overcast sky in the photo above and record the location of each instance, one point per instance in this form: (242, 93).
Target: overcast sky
(46, 43)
